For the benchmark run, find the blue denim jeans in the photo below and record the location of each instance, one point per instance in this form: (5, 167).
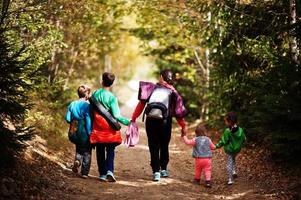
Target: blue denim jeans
(83, 155)
(105, 154)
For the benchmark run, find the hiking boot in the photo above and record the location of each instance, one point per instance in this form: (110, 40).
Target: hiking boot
(230, 181)
(103, 178)
(75, 166)
(110, 177)
(208, 184)
(164, 173)
(156, 176)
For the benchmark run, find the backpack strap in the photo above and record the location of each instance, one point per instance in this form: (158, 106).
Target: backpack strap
(104, 113)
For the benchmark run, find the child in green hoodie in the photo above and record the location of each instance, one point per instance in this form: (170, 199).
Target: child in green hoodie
(232, 139)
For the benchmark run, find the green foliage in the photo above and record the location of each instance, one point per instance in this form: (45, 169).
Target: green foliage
(15, 82)
(166, 38)
(246, 48)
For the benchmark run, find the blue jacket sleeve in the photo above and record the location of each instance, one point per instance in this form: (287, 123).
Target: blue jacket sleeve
(88, 120)
(68, 115)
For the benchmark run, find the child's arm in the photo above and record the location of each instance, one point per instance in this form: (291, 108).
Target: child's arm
(224, 139)
(88, 120)
(188, 141)
(68, 115)
(212, 146)
(116, 112)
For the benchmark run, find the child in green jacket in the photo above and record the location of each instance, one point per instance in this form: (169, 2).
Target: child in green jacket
(232, 140)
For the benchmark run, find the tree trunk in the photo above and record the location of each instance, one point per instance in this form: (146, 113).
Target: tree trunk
(53, 68)
(71, 68)
(204, 71)
(4, 10)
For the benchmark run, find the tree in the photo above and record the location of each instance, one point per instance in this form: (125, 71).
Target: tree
(14, 84)
(246, 47)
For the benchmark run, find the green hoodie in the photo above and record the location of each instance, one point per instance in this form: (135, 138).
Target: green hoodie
(110, 102)
(232, 142)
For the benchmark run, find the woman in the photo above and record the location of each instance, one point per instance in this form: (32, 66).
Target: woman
(162, 102)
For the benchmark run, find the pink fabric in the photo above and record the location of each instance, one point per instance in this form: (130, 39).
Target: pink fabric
(203, 164)
(180, 110)
(188, 141)
(131, 135)
(192, 142)
(145, 90)
(212, 146)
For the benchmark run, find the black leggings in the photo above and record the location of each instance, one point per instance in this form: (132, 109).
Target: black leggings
(158, 133)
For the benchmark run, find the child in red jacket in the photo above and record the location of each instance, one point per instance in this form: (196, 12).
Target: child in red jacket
(103, 135)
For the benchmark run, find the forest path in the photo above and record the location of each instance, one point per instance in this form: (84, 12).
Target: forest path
(134, 175)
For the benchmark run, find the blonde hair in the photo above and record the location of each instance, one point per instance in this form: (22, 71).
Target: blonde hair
(200, 130)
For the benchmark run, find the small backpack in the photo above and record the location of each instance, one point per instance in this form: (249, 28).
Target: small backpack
(77, 133)
(159, 103)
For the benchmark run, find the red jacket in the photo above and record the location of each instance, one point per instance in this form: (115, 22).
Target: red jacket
(102, 131)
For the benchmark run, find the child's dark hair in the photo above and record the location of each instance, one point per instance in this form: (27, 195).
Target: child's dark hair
(108, 79)
(83, 91)
(167, 76)
(231, 117)
(200, 130)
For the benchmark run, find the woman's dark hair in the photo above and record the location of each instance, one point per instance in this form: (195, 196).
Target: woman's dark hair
(167, 76)
(231, 117)
(108, 79)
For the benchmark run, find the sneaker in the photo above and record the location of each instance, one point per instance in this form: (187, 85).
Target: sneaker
(164, 173)
(208, 184)
(234, 174)
(75, 166)
(103, 178)
(156, 176)
(110, 177)
(230, 181)
(84, 176)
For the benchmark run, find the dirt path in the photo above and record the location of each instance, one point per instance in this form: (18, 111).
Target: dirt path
(133, 174)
